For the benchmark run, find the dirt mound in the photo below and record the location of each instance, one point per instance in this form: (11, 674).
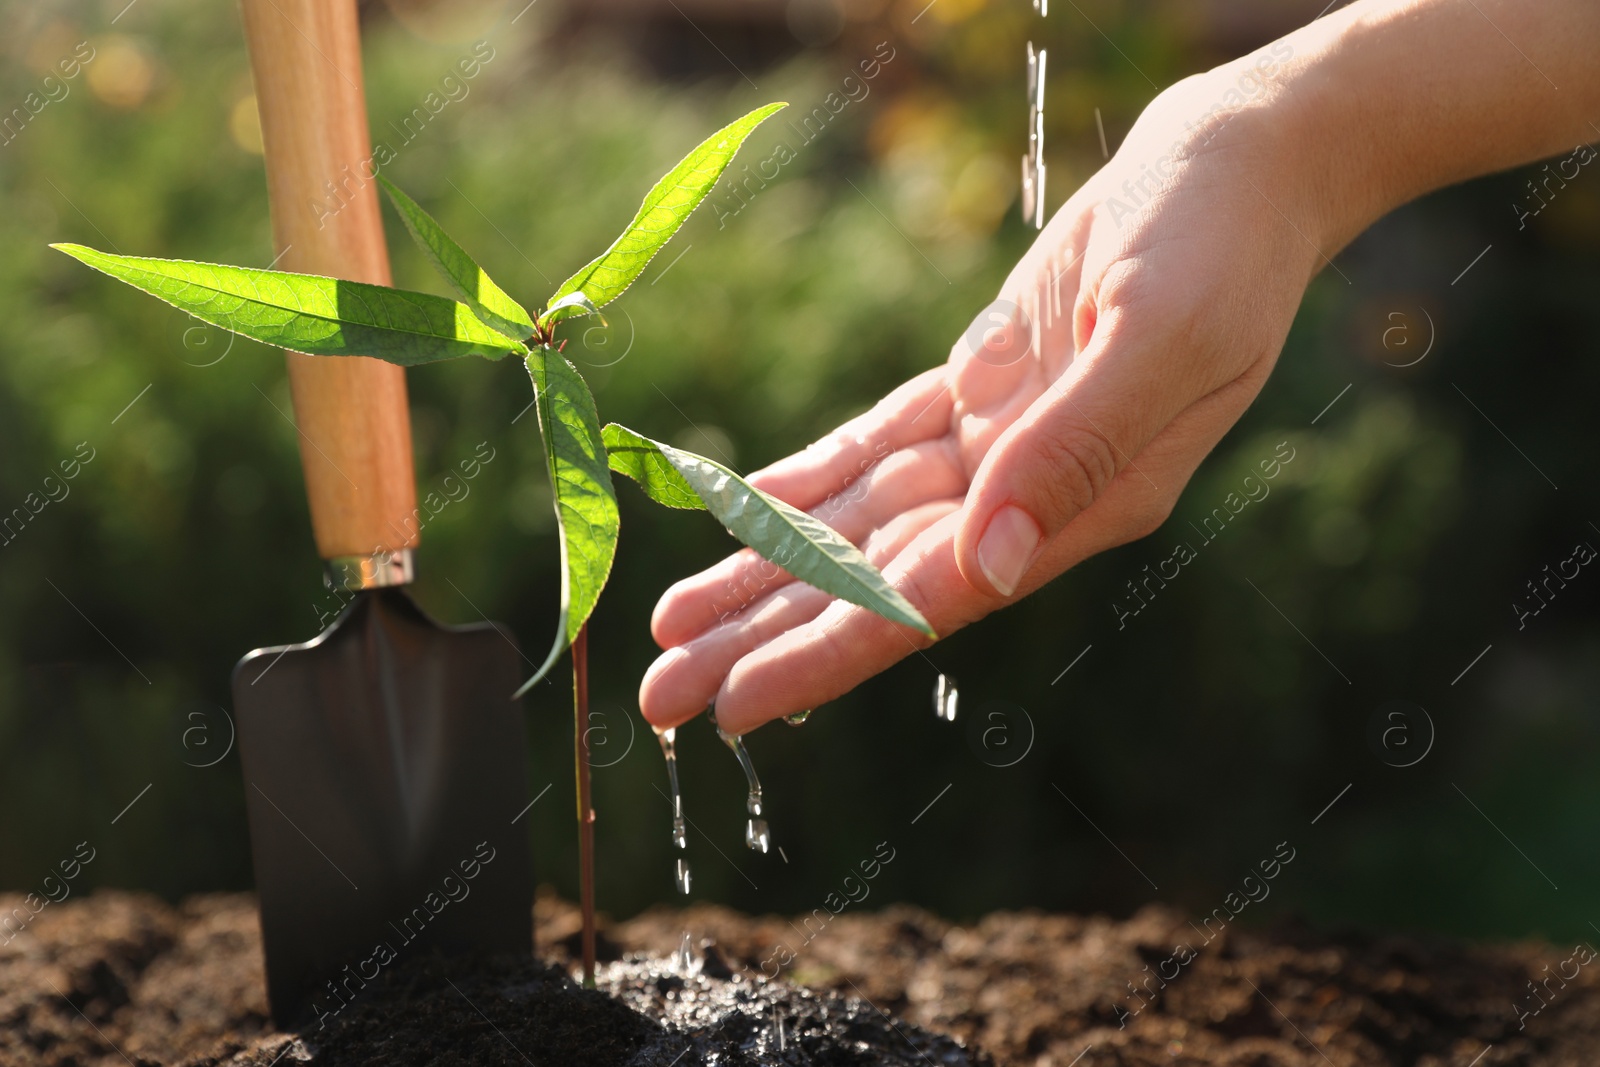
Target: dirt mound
(122, 978)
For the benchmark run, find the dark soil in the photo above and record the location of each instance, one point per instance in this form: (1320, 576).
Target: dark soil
(122, 978)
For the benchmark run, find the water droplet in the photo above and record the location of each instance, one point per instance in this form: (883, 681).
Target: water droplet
(798, 718)
(683, 876)
(945, 697)
(756, 833)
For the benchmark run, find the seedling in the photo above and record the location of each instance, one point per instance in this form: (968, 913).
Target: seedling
(333, 317)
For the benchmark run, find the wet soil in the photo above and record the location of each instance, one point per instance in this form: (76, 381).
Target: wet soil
(121, 978)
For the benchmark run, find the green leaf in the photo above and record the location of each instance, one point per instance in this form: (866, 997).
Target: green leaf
(642, 460)
(571, 306)
(801, 544)
(486, 299)
(308, 313)
(585, 501)
(663, 211)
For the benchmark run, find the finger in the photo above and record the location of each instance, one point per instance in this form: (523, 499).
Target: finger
(918, 410)
(903, 480)
(683, 681)
(702, 602)
(844, 645)
(891, 539)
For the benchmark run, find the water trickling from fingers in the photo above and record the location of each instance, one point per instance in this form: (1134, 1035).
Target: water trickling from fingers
(669, 750)
(757, 835)
(684, 957)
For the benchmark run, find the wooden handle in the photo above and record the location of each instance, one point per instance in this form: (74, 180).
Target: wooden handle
(355, 430)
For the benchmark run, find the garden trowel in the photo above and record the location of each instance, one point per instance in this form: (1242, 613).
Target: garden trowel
(384, 760)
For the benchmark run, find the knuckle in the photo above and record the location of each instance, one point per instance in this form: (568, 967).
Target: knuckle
(913, 585)
(1081, 463)
(1154, 306)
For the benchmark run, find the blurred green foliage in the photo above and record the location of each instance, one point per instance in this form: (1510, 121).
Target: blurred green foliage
(1207, 730)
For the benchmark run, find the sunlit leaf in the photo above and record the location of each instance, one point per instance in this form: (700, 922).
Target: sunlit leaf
(800, 543)
(642, 460)
(585, 501)
(308, 313)
(486, 299)
(571, 306)
(672, 200)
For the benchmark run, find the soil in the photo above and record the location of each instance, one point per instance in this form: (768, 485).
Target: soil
(123, 978)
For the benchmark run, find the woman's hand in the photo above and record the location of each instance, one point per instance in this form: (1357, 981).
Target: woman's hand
(1136, 331)
(1066, 420)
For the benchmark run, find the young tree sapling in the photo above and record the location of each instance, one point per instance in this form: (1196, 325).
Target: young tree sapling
(333, 317)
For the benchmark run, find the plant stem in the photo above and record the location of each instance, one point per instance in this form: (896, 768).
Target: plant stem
(580, 753)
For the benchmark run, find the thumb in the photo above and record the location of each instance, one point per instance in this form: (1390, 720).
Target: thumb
(1062, 453)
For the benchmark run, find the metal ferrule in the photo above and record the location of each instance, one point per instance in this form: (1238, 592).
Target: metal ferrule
(370, 572)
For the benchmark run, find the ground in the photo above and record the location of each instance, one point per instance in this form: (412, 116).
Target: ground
(124, 978)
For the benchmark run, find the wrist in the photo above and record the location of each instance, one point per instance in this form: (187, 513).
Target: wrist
(1389, 100)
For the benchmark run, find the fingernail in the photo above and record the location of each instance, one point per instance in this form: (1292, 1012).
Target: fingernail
(650, 705)
(1007, 547)
(666, 660)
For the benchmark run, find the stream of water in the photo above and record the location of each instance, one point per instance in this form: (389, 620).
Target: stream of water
(757, 835)
(680, 836)
(683, 959)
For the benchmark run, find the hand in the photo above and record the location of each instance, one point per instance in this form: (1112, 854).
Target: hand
(1141, 324)
(1066, 421)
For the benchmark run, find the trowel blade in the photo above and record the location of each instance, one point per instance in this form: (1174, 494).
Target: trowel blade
(384, 766)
